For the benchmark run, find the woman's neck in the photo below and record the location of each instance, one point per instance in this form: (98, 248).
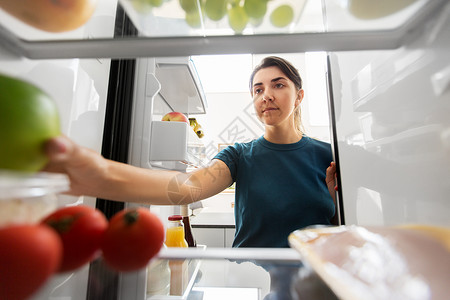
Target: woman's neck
(277, 136)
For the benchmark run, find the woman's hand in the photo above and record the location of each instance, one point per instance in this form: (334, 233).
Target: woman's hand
(84, 167)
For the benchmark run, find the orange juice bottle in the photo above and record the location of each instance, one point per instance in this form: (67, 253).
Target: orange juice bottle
(178, 268)
(175, 232)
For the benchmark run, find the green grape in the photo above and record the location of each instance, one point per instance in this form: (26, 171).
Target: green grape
(193, 19)
(189, 5)
(216, 9)
(256, 9)
(256, 22)
(141, 6)
(282, 16)
(237, 18)
(155, 3)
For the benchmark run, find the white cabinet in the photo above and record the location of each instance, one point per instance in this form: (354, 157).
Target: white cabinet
(214, 237)
(211, 237)
(229, 236)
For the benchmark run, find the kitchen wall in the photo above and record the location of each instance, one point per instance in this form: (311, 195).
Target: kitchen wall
(230, 114)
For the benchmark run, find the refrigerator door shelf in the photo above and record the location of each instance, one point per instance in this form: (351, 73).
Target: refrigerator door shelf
(400, 150)
(181, 88)
(393, 74)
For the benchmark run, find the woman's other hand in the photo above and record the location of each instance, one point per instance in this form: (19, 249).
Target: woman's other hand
(330, 179)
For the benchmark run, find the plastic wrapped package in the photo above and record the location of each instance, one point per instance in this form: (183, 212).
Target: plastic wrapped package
(408, 262)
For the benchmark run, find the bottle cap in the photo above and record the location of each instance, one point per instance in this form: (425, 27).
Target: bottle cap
(184, 210)
(175, 218)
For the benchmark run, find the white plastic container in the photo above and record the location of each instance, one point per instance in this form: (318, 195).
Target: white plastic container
(26, 198)
(169, 141)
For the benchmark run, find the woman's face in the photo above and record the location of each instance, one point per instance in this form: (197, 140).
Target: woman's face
(275, 97)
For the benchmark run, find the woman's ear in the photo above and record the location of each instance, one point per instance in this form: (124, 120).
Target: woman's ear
(300, 95)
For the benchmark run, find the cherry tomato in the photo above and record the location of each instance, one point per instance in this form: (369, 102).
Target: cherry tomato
(29, 255)
(133, 237)
(81, 229)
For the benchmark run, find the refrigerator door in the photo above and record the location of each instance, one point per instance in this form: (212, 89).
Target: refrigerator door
(79, 88)
(164, 85)
(392, 129)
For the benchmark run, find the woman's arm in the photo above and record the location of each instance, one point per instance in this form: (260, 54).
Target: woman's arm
(92, 175)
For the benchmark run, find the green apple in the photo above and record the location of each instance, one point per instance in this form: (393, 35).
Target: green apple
(28, 118)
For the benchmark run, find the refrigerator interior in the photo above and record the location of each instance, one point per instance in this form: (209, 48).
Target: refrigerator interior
(390, 91)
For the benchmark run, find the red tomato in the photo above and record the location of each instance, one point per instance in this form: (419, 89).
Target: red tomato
(29, 255)
(133, 237)
(81, 229)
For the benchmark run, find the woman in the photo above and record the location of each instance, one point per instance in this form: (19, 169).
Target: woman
(284, 179)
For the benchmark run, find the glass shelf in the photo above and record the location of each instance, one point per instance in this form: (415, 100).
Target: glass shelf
(327, 25)
(239, 273)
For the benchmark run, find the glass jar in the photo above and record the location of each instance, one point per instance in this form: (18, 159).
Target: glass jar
(25, 198)
(175, 232)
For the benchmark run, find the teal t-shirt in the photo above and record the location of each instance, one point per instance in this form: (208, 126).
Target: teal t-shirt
(279, 188)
